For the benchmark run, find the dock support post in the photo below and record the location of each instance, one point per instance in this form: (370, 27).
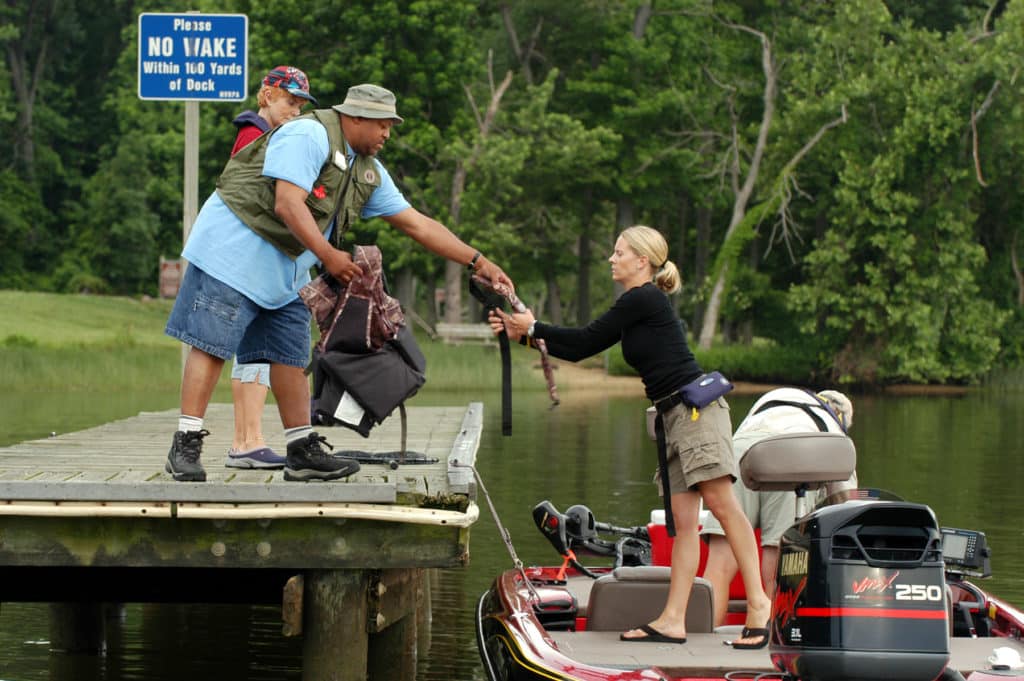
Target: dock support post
(77, 627)
(424, 610)
(396, 601)
(363, 624)
(334, 625)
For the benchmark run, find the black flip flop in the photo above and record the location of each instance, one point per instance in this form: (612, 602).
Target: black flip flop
(750, 633)
(653, 636)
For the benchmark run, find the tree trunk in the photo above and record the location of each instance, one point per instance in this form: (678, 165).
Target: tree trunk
(623, 219)
(745, 329)
(583, 268)
(746, 190)
(682, 226)
(701, 252)
(405, 288)
(433, 307)
(1017, 275)
(33, 42)
(524, 54)
(709, 324)
(541, 304)
(554, 298)
(641, 18)
(453, 273)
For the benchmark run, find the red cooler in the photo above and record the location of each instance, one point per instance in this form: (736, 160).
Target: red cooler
(661, 554)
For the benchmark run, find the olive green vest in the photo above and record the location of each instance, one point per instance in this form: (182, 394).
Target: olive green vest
(340, 189)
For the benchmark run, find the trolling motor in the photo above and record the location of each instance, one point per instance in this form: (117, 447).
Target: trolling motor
(577, 529)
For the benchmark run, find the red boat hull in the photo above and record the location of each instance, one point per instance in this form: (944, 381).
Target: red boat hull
(516, 646)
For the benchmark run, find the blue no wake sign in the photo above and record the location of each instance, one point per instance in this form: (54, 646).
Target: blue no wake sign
(193, 56)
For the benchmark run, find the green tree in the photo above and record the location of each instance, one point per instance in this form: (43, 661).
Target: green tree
(891, 289)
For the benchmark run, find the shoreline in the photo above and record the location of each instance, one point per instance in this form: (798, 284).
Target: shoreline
(572, 376)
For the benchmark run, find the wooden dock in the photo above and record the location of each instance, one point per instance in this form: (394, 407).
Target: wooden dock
(91, 517)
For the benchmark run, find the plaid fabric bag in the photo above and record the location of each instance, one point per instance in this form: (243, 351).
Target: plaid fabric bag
(360, 317)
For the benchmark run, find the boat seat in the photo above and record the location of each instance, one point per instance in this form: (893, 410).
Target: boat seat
(800, 462)
(632, 596)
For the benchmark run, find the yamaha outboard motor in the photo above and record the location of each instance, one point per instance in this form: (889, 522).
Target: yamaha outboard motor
(861, 595)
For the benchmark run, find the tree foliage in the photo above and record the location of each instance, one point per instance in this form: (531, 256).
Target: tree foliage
(893, 250)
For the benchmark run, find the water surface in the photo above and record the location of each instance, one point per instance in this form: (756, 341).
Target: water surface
(960, 455)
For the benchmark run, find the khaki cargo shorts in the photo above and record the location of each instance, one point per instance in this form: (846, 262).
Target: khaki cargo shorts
(698, 450)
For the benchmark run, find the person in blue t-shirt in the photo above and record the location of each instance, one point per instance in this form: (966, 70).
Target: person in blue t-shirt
(240, 293)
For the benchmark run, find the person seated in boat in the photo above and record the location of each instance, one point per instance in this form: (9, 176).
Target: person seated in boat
(777, 412)
(698, 445)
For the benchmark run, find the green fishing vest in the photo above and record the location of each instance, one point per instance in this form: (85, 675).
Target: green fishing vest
(337, 191)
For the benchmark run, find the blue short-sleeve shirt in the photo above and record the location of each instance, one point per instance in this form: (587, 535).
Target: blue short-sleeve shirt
(225, 248)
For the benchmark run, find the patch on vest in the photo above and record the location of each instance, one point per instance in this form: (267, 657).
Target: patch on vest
(370, 177)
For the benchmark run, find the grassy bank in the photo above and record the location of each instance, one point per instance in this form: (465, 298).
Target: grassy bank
(74, 342)
(70, 342)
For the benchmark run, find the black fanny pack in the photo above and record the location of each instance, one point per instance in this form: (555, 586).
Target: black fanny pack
(698, 393)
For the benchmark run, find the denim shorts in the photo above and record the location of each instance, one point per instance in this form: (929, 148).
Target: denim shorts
(251, 373)
(217, 319)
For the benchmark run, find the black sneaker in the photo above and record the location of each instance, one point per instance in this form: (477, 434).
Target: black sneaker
(183, 459)
(307, 460)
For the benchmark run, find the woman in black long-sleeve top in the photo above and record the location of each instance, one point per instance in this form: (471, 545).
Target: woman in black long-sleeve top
(700, 459)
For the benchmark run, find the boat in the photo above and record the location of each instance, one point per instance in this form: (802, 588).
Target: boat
(869, 586)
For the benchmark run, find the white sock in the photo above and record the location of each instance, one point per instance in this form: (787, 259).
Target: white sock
(190, 423)
(298, 433)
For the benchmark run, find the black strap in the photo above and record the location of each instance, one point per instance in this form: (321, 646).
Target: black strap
(807, 408)
(666, 488)
(506, 385)
(668, 403)
(828, 407)
(491, 300)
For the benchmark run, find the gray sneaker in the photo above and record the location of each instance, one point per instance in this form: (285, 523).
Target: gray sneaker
(183, 459)
(307, 460)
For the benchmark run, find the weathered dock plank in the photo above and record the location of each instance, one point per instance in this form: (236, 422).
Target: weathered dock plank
(100, 497)
(123, 461)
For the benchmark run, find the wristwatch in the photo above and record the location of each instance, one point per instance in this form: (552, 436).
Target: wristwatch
(529, 331)
(472, 263)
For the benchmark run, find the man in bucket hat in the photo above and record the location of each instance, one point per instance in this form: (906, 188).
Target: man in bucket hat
(369, 101)
(283, 204)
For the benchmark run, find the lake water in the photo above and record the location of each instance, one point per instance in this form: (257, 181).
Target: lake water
(960, 455)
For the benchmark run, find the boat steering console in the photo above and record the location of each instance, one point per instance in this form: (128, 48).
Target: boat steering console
(966, 554)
